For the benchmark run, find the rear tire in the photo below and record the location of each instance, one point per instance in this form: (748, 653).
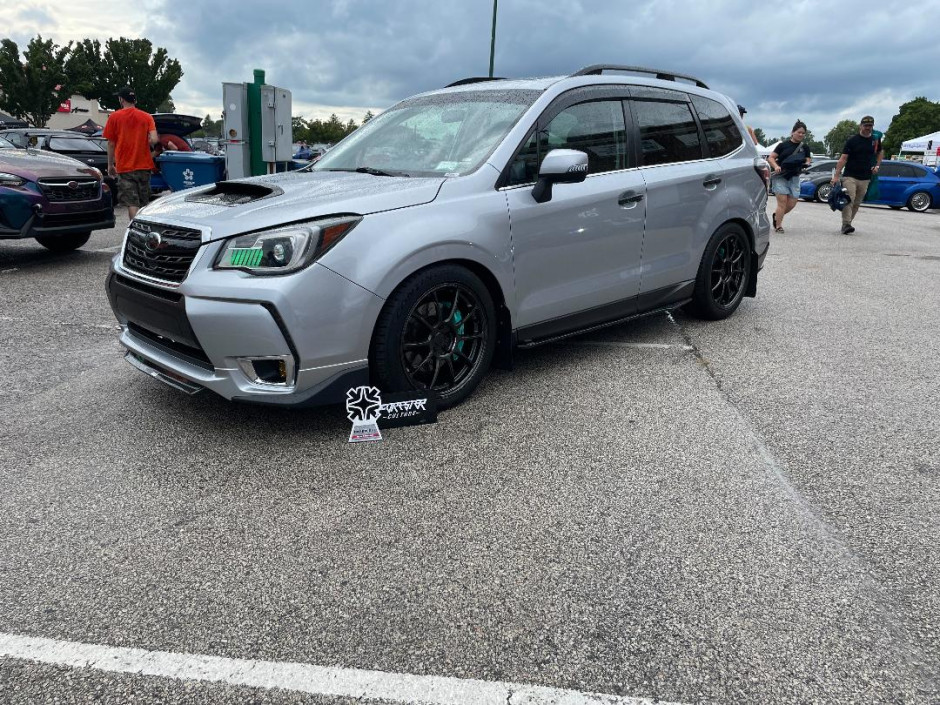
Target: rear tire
(822, 192)
(723, 275)
(63, 243)
(437, 331)
(919, 201)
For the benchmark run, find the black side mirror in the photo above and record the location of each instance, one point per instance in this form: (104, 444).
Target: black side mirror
(560, 166)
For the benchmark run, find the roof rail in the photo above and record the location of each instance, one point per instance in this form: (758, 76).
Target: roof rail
(598, 69)
(474, 79)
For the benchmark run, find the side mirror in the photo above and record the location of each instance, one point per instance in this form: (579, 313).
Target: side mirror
(560, 166)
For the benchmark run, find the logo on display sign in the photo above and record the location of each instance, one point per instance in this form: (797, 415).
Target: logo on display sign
(189, 177)
(364, 407)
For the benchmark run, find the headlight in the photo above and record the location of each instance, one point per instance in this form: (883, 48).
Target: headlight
(286, 249)
(11, 180)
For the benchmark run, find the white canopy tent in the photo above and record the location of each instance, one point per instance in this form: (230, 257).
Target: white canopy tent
(919, 144)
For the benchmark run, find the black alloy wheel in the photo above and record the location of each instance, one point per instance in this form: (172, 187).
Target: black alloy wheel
(723, 275)
(437, 332)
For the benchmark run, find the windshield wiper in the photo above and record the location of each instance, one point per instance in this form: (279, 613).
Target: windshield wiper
(360, 170)
(376, 172)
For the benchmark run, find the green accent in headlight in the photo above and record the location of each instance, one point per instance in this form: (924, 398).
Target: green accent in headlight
(245, 256)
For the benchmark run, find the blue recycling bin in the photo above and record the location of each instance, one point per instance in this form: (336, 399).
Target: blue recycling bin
(182, 170)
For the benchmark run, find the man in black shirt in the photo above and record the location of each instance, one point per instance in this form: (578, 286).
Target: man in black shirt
(861, 157)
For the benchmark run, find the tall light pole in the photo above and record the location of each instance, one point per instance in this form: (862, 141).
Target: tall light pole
(493, 39)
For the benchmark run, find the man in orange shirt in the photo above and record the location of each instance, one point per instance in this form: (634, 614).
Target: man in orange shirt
(130, 133)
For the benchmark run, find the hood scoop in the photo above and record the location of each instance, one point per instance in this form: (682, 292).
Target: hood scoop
(234, 193)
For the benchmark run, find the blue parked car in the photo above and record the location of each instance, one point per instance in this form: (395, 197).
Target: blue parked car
(899, 184)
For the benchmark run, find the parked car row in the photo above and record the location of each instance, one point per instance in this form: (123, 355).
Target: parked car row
(900, 184)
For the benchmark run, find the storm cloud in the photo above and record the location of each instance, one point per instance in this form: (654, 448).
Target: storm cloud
(818, 63)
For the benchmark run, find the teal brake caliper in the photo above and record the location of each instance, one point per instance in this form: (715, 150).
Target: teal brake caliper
(457, 319)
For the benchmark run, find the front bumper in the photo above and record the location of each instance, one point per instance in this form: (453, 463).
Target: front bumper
(26, 214)
(199, 335)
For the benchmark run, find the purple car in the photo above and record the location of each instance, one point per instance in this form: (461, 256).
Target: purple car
(53, 198)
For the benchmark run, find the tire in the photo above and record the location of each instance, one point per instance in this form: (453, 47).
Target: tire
(723, 275)
(452, 307)
(63, 243)
(919, 201)
(822, 192)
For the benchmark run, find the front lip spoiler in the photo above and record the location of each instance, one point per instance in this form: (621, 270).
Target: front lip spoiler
(175, 381)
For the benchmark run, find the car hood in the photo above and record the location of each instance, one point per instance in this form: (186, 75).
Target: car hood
(289, 198)
(34, 165)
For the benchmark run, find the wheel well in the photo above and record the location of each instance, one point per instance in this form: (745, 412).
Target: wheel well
(504, 333)
(751, 238)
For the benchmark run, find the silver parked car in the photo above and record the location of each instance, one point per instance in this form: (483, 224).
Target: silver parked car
(453, 227)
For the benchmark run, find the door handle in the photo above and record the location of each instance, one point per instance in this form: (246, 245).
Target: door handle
(629, 199)
(711, 182)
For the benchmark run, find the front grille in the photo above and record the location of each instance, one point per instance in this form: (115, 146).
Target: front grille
(78, 189)
(163, 252)
(63, 220)
(194, 356)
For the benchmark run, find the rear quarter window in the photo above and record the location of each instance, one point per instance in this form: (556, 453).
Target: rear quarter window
(721, 134)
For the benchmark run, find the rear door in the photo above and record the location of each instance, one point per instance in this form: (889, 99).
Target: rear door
(683, 189)
(577, 256)
(893, 179)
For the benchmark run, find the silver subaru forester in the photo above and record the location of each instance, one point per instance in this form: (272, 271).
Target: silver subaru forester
(452, 228)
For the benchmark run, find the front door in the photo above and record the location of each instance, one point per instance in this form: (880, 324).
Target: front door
(577, 256)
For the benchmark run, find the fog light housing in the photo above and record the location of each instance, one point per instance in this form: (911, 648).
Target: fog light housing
(270, 371)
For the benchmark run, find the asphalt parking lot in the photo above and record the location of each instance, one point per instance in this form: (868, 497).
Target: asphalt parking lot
(736, 512)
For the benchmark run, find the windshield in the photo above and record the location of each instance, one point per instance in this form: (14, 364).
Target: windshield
(448, 134)
(6, 144)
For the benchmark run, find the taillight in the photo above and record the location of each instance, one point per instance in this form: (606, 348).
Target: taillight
(763, 170)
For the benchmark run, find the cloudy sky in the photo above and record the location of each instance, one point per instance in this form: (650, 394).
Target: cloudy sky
(817, 61)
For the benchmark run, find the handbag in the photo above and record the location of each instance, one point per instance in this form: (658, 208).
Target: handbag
(793, 162)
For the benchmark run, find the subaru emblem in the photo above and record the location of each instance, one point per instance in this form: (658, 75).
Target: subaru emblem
(73, 185)
(153, 241)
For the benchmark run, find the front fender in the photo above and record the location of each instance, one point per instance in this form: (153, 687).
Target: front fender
(387, 248)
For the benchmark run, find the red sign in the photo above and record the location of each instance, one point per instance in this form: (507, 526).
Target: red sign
(65, 107)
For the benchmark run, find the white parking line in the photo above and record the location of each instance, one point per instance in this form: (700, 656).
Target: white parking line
(299, 677)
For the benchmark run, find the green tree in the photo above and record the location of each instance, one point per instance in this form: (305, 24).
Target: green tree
(300, 129)
(33, 89)
(915, 118)
(166, 106)
(761, 137)
(125, 62)
(368, 116)
(836, 137)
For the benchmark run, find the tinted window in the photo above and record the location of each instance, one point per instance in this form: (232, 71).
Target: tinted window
(721, 134)
(892, 170)
(667, 132)
(596, 128)
(919, 173)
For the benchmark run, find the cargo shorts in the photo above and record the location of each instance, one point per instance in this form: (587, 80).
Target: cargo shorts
(134, 187)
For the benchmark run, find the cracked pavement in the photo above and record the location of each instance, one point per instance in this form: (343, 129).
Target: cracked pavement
(750, 520)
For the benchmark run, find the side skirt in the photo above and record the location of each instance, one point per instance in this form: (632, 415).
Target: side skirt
(648, 304)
